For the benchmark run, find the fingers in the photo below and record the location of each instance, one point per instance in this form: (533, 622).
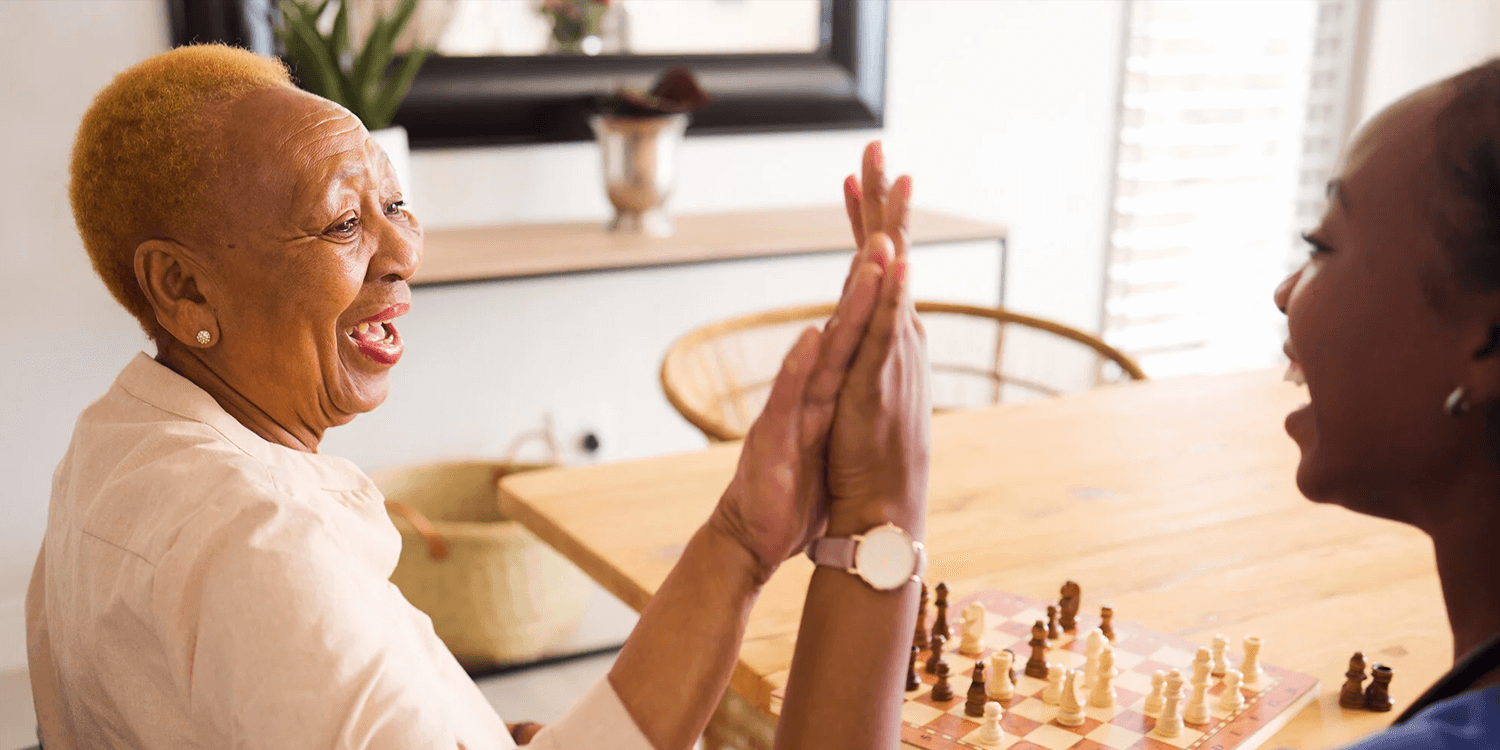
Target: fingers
(786, 391)
(856, 215)
(873, 189)
(841, 339)
(897, 210)
(887, 316)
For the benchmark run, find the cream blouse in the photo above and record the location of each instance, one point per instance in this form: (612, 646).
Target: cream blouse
(200, 587)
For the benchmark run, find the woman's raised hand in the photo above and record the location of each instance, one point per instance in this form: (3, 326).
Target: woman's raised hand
(778, 500)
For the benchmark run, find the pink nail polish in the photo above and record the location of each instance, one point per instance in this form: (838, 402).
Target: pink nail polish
(876, 157)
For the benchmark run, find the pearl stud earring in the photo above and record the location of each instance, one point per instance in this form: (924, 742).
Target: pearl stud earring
(1458, 402)
(204, 337)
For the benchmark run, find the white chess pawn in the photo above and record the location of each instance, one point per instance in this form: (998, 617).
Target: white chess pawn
(1157, 696)
(1250, 667)
(990, 732)
(973, 630)
(1103, 695)
(999, 687)
(1092, 646)
(1221, 655)
(1071, 712)
(1232, 700)
(1052, 694)
(1169, 723)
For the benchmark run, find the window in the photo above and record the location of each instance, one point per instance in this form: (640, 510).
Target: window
(1232, 116)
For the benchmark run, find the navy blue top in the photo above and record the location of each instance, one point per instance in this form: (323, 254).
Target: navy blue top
(1467, 721)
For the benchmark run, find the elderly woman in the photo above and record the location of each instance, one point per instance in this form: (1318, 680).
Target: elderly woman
(1394, 324)
(209, 580)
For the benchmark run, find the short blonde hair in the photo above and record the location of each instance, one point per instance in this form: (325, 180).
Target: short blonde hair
(140, 155)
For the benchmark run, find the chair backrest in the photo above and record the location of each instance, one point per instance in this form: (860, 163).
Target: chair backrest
(718, 376)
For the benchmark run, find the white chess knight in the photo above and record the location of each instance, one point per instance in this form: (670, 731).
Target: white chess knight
(1250, 667)
(999, 687)
(1169, 723)
(1103, 692)
(1221, 656)
(1232, 699)
(1095, 643)
(1052, 694)
(1071, 712)
(1157, 697)
(973, 630)
(990, 732)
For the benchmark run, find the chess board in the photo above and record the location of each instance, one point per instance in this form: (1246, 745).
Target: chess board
(1028, 721)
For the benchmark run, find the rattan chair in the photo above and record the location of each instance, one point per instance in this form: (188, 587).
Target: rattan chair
(718, 376)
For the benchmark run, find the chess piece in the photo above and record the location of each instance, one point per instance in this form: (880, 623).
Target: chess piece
(1378, 694)
(977, 697)
(1202, 666)
(1250, 667)
(990, 732)
(1221, 656)
(1169, 723)
(1157, 697)
(941, 690)
(1071, 712)
(1012, 665)
(1072, 596)
(920, 638)
(940, 623)
(1092, 646)
(1196, 711)
(1352, 695)
(1107, 622)
(1232, 699)
(1036, 666)
(1054, 632)
(1103, 695)
(973, 630)
(937, 653)
(1052, 694)
(912, 683)
(1001, 686)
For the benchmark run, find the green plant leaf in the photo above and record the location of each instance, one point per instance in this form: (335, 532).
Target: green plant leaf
(317, 69)
(338, 41)
(371, 63)
(395, 89)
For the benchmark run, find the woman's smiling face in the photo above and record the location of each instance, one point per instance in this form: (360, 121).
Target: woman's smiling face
(311, 250)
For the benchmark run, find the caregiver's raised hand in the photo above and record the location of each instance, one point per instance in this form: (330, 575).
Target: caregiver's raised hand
(777, 501)
(874, 206)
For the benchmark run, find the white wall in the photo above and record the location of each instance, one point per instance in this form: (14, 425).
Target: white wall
(1003, 110)
(1416, 42)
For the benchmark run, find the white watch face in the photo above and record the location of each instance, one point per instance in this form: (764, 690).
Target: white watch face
(886, 558)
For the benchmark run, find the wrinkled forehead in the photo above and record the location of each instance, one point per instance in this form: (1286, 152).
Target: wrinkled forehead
(295, 144)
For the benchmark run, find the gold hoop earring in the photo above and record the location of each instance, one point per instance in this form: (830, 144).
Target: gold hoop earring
(205, 338)
(1457, 403)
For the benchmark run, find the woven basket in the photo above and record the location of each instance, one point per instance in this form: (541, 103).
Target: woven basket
(495, 593)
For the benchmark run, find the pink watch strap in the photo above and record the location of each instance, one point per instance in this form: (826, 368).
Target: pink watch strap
(834, 552)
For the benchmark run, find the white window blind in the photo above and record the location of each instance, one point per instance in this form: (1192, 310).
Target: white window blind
(1232, 115)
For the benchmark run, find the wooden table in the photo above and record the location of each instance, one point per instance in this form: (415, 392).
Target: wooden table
(522, 250)
(1174, 500)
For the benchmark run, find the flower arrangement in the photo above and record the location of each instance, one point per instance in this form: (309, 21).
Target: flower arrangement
(574, 22)
(327, 64)
(674, 92)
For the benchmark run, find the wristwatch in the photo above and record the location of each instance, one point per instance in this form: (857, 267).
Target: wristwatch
(886, 557)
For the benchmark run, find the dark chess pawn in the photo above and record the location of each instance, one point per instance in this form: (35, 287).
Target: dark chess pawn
(1072, 597)
(940, 623)
(1353, 693)
(1054, 632)
(912, 683)
(1036, 666)
(1378, 694)
(937, 653)
(977, 697)
(941, 690)
(1107, 622)
(920, 637)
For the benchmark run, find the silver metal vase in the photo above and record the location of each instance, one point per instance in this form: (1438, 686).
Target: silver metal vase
(640, 165)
